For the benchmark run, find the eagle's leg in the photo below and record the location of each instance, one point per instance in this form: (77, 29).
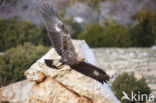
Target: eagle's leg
(59, 66)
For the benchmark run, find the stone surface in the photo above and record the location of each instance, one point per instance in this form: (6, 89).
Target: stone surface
(65, 85)
(17, 92)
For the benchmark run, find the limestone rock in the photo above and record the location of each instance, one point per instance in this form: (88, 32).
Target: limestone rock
(17, 92)
(65, 85)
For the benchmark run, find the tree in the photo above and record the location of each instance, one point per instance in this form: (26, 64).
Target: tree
(93, 34)
(15, 61)
(144, 33)
(14, 32)
(109, 35)
(12, 2)
(128, 83)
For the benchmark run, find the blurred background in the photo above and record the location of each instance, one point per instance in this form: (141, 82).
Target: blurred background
(121, 33)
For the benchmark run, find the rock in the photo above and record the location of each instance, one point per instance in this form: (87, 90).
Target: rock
(17, 92)
(65, 85)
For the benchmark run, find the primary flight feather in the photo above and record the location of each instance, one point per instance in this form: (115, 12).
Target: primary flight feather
(62, 43)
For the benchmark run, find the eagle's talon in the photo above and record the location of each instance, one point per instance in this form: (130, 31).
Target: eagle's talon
(59, 66)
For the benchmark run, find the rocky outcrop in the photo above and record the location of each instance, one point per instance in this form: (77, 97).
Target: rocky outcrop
(48, 85)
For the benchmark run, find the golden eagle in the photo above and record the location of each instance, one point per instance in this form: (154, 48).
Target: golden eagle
(62, 43)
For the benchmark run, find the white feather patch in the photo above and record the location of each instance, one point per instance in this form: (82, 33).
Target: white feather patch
(57, 29)
(96, 73)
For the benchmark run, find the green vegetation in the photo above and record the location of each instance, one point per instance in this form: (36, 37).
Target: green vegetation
(113, 35)
(144, 33)
(12, 2)
(15, 61)
(128, 83)
(109, 35)
(19, 55)
(93, 35)
(14, 32)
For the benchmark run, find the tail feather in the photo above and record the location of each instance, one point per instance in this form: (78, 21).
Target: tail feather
(91, 71)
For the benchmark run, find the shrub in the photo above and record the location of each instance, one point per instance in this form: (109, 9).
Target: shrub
(144, 33)
(12, 2)
(128, 83)
(93, 34)
(43, 38)
(15, 61)
(109, 35)
(14, 32)
(116, 35)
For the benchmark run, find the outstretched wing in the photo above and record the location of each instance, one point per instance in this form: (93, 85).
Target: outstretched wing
(59, 36)
(52, 21)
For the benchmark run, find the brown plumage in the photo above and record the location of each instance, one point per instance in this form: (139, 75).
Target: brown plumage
(59, 36)
(62, 43)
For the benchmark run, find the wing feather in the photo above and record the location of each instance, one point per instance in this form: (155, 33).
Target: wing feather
(51, 21)
(59, 36)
